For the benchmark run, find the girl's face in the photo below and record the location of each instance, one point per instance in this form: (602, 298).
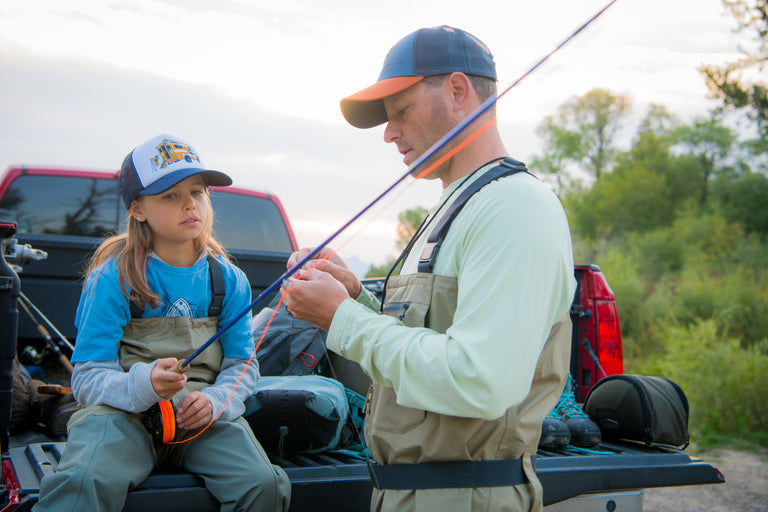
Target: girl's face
(176, 216)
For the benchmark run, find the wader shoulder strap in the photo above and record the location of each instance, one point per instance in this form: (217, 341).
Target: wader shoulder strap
(217, 287)
(506, 167)
(217, 290)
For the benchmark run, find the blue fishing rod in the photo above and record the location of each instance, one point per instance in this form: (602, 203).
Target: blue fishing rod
(417, 164)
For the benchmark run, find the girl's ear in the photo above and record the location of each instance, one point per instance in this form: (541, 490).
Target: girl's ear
(135, 211)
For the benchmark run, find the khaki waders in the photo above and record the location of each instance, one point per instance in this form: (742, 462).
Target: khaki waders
(403, 435)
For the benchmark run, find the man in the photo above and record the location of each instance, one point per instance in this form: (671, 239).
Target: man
(472, 350)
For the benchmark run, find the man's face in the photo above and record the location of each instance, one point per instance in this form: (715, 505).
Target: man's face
(417, 118)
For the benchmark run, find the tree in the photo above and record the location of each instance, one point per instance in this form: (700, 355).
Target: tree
(708, 143)
(561, 147)
(648, 185)
(409, 222)
(743, 200)
(583, 132)
(732, 81)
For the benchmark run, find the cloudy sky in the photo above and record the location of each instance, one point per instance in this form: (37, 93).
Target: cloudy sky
(255, 86)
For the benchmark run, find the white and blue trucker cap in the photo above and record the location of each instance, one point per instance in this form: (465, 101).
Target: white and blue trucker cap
(160, 163)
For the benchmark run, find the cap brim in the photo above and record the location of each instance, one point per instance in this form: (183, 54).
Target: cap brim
(212, 178)
(365, 109)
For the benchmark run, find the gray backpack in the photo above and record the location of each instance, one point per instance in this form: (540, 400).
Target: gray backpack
(291, 346)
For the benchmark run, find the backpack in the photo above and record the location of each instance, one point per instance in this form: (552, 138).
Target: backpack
(290, 347)
(298, 414)
(303, 402)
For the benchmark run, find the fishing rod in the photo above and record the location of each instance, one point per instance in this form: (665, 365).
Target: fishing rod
(31, 304)
(427, 155)
(47, 337)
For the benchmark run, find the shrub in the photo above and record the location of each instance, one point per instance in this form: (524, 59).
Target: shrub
(724, 381)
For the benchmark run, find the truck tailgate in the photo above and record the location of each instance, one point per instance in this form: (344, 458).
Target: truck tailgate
(341, 481)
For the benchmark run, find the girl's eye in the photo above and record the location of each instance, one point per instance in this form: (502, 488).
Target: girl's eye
(169, 196)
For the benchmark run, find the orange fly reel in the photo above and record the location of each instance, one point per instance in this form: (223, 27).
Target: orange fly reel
(160, 422)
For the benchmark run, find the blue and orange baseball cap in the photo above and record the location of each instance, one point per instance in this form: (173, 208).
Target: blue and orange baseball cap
(426, 52)
(160, 163)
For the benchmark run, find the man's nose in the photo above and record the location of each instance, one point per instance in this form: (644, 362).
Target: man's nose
(391, 133)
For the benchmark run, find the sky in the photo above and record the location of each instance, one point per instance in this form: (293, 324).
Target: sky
(255, 86)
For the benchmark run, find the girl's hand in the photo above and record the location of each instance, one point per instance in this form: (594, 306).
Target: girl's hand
(195, 411)
(166, 381)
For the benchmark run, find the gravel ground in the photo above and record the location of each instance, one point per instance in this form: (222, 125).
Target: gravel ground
(745, 488)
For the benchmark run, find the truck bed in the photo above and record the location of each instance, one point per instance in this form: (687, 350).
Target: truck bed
(323, 479)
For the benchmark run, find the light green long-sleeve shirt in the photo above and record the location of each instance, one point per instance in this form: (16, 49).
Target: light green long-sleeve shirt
(510, 250)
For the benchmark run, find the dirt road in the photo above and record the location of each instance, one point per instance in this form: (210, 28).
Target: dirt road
(745, 489)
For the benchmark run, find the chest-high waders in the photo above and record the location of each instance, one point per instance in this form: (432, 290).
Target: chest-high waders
(429, 461)
(148, 339)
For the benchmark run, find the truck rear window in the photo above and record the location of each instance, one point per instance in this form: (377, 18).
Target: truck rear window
(62, 205)
(91, 207)
(248, 222)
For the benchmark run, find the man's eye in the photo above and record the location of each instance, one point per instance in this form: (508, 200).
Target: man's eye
(401, 112)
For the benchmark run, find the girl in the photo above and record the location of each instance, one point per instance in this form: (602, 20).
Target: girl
(152, 295)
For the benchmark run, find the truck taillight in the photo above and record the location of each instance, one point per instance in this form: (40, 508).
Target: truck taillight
(609, 351)
(12, 487)
(596, 342)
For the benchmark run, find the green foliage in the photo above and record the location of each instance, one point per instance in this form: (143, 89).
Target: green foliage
(622, 201)
(693, 303)
(409, 222)
(724, 382)
(679, 225)
(583, 133)
(381, 270)
(700, 267)
(744, 199)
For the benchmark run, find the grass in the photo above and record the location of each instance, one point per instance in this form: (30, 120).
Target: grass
(753, 442)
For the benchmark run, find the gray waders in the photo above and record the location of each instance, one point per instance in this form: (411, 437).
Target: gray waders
(109, 451)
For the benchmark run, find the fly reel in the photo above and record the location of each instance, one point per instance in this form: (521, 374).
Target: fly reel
(160, 422)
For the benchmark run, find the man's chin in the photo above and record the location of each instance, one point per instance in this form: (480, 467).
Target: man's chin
(416, 173)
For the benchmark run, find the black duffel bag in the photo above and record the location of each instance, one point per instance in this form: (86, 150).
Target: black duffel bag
(653, 410)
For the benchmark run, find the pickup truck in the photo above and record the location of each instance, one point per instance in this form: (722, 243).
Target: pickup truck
(65, 212)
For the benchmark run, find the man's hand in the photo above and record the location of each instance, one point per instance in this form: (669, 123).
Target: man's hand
(328, 261)
(166, 381)
(315, 297)
(195, 411)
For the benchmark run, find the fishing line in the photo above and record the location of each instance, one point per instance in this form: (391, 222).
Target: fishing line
(438, 146)
(167, 430)
(427, 155)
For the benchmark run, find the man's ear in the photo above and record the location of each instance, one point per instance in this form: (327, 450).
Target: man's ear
(460, 90)
(134, 210)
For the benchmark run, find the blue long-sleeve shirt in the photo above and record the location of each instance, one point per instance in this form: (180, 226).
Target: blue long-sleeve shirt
(104, 311)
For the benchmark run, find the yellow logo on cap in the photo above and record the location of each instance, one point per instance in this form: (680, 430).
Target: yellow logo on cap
(172, 151)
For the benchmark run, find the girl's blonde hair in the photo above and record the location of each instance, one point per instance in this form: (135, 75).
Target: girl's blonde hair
(131, 249)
